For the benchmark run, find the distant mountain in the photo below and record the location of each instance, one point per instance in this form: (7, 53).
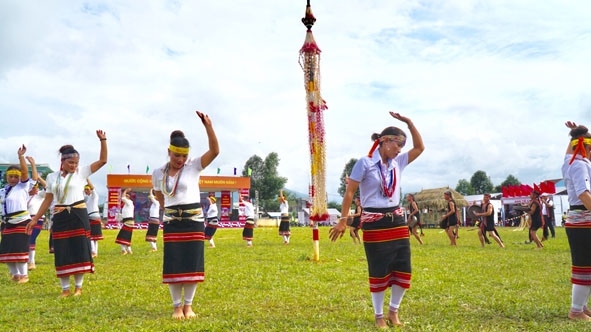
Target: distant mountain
(297, 194)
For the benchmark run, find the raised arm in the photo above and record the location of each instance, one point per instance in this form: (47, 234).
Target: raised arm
(34, 174)
(417, 140)
(22, 163)
(214, 148)
(95, 166)
(42, 182)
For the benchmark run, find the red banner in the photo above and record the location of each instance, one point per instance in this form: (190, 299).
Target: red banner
(113, 204)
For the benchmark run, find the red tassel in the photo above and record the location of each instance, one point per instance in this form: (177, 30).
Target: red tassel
(579, 149)
(373, 147)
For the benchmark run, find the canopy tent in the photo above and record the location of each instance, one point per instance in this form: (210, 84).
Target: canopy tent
(432, 200)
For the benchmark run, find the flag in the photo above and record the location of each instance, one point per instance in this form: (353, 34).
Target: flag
(219, 170)
(110, 168)
(249, 171)
(234, 170)
(147, 169)
(128, 168)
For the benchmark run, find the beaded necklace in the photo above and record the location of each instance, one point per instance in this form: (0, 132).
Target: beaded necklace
(388, 188)
(165, 190)
(66, 187)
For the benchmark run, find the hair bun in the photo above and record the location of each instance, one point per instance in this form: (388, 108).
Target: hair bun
(579, 131)
(375, 136)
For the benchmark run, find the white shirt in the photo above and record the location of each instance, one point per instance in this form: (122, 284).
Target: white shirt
(154, 207)
(367, 173)
(577, 178)
(92, 205)
(188, 186)
(16, 200)
(284, 207)
(127, 211)
(248, 210)
(56, 184)
(35, 202)
(212, 211)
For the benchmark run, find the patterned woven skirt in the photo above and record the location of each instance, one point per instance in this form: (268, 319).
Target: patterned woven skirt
(14, 246)
(71, 242)
(387, 248)
(284, 225)
(153, 228)
(578, 230)
(183, 245)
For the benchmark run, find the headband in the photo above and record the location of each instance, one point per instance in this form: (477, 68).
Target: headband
(87, 187)
(70, 155)
(579, 145)
(400, 139)
(14, 172)
(179, 150)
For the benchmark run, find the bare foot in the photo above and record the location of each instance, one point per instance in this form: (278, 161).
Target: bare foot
(381, 324)
(123, 252)
(578, 315)
(393, 318)
(587, 312)
(77, 291)
(65, 293)
(178, 313)
(31, 266)
(188, 311)
(23, 279)
(93, 255)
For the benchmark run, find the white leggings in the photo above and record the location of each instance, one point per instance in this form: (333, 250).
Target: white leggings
(176, 291)
(78, 281)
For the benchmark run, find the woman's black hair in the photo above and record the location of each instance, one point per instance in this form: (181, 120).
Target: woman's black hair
(178, 139)
(388, 131)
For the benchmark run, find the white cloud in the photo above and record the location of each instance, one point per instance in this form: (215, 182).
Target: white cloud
(488, 83)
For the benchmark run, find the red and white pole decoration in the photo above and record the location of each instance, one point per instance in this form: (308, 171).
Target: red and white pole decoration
(310, 62)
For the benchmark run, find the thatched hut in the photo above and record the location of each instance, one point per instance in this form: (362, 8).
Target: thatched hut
(432, 201)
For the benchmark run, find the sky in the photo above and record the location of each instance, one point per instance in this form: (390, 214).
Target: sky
(489, 84)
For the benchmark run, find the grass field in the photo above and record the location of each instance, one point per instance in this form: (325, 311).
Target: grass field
(274, 287)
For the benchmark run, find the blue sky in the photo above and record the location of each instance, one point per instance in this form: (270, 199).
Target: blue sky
(488, 83)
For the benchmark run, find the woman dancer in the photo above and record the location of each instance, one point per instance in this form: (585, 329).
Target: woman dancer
(284, 230)
(211, 221)
(248, 230)
(450, 218)
(14, 245)
(176, 186)
(356, 224)
(385, 234)
(36, 197)
(414, 218)
(96, 227)
(154, 222)
(576, 171)
(126, 231)
(537, 221)
(70, 217)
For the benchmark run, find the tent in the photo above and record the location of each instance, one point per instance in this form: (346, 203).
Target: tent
(433, 205)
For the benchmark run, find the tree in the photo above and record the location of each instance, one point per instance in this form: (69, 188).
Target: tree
(464, 187)
(346, 171)
(509, 181)
(481, 183)
(265, 179)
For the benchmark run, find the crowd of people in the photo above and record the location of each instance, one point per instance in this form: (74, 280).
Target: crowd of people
(387, 227)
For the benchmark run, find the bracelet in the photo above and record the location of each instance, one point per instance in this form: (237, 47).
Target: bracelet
(102, 139)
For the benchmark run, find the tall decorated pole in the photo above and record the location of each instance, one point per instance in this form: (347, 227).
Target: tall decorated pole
(310, 63)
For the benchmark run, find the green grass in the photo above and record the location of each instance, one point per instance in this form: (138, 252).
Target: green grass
(273, 287)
